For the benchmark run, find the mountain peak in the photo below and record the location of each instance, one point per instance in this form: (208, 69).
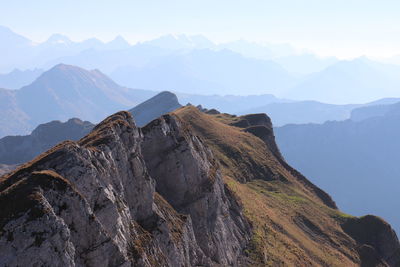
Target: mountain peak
(118, 43)
(58, 39)
(153, 108)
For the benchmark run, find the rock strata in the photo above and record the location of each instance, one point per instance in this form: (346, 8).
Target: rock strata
(95, 203)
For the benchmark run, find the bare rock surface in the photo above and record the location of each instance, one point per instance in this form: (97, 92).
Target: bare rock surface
(94, 203)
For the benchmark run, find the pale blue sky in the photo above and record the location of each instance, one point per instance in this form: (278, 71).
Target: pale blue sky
(345, 28)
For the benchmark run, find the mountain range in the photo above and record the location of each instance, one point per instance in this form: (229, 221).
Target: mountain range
(353, 81)
(354, 161)
(188, 189)
(69, 91)
(195, 65)
(61, 93)
(20, 149)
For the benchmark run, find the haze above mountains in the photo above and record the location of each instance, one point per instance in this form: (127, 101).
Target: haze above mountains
(195, 65)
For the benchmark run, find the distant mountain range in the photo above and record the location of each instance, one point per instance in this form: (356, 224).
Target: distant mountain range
(298, 112)
(20, 149)
(357, 162)
(356, 81)
(207, 72)
(67, 91)
(195, 65)
(388, 107)
(63, 92)
(18, 78)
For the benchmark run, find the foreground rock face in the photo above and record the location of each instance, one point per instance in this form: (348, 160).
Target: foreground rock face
(187, 176)
(94, 202)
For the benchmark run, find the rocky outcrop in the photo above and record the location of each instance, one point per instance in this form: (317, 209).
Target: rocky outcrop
(94, 202)
(376, 239)
(20, 149)
(188, 177)
(260, 125)
(153, 108)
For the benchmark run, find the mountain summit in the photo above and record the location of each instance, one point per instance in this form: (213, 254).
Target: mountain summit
(61, 93)
(153, 108)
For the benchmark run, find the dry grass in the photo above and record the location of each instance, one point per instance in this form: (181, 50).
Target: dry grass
(291, 224)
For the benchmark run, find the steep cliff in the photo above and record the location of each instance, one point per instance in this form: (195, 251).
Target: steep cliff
(188, 189)
(93, 203)
(294, 222)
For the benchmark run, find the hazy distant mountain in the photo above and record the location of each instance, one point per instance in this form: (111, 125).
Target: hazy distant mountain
(356, 162)
(379, 110)
(18, 78)
(12, 118)
(181, 42)
(14, 49)
(63, 92)
(305, 63)
(207, 72)
(303, 112)
(66, 91)
(108, 60)
(356, 81)
(153, 108)
(260, 51)
(19, 52)
(20, 149)
(232, 104)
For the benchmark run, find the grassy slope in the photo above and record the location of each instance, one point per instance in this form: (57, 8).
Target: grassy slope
(292, 226)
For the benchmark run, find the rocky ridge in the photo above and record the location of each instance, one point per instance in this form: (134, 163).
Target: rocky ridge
(94, 203)
(188, 189)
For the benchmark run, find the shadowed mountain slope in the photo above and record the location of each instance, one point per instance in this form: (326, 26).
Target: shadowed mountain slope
(20, 149)
(356, 162)
(153, 108)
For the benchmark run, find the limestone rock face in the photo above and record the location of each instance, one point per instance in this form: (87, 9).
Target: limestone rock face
(94, 203)
(187, 176)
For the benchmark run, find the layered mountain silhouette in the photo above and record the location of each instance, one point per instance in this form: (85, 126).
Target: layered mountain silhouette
(195, 65)
(153, 108)
(20, 149)
(355, 161)
(354, 81)
(303, 112)
(386, 108)
(188, 189)
(17, 78)
(61, 93)
(233, 104)
(207, 72)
